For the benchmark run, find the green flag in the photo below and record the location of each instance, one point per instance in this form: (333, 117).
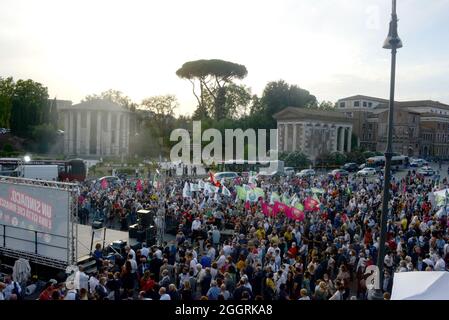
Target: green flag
(241, 193)
(299, 206)
(259, 193)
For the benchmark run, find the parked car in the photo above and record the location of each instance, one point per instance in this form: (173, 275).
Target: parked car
(225, 175)
(266, 175)
(306, 173)
(339, 173)
(418, 163)
(426, 171)
(350, 167)
(289, 171)
(367, 172)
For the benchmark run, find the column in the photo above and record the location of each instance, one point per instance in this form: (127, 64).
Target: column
(88, 116)
(294, 137)
(99, 133)
(349, 139)
(127, 133)
(78, 132)
(285, 137)
(66, 132)
(341, 138)
(334, 134)
(117, 134)
(108, 135)
(71, 132)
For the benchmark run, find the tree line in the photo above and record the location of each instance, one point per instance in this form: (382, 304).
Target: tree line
(223, 102)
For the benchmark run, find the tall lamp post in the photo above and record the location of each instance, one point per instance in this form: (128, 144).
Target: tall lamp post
(393, 42)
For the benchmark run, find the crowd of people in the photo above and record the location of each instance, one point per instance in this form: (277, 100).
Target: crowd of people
(321, 257)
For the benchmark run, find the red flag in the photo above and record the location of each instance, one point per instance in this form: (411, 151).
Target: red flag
(311, 204)
(104, 184)
(265, 208)
(296, 214)
(247, 205)
(212, 179)
(280, 207)
(139, 186)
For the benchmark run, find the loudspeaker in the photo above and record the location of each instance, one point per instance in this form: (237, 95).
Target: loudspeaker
(141, 235)
(145, 218)
(151, 233)
(97, 224)
(132, 231)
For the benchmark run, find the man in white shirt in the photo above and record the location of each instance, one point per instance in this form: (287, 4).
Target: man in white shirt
(71, 291)
(93, 283)
(163, 294)
(81, 279)
(196, 224)
(144, 251)
(221, 260)
(131, 252)
(440, 265)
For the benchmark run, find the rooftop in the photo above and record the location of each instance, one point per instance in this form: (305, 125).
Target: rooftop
(96, 105)
(311, 114)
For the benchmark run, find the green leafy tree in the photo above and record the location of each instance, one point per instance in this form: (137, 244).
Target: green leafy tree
(214, 77)
(45, 136)
(114, 96)
(29, 107)
(7, 87)
(278, 95)
(162, 109)
(295, 159)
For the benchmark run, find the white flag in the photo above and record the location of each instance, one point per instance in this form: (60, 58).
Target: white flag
(226, 191)
(186, 191)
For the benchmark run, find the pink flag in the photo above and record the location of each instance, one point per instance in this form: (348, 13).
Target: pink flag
(280, 207)
(311, 204)
(265, 208)
(139, 186)
(296, 214)
(104, 184)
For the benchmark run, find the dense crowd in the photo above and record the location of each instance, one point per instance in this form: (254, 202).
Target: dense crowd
(321, 257)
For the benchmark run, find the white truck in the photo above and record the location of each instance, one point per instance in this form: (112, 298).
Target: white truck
(42, 172)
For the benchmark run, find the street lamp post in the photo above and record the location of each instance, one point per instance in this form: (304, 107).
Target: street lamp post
(393, 42)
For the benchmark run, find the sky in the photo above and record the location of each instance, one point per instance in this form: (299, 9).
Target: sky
(333, 48)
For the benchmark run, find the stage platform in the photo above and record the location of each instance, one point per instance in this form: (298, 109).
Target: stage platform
(85, 238)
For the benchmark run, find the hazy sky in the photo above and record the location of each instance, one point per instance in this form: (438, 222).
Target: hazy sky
(333, 48)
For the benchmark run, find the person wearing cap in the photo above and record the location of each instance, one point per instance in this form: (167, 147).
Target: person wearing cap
(71, 293)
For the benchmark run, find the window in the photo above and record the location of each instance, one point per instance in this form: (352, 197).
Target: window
(342, 104)
(364, 104)
(356, 103)
(370, 104)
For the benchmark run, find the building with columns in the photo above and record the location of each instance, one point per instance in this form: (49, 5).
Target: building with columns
(313, 132)
(95, 128)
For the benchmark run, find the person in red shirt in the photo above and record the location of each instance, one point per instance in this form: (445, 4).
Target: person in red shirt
(147, 283)
(293, 250)
(48, 291)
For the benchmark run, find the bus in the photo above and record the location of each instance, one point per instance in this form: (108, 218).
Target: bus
(243, 166)
(68, 170)
(398, 162)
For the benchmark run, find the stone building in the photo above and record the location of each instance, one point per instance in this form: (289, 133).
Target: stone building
(313, 132)
(421, 128)
(95, 128)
